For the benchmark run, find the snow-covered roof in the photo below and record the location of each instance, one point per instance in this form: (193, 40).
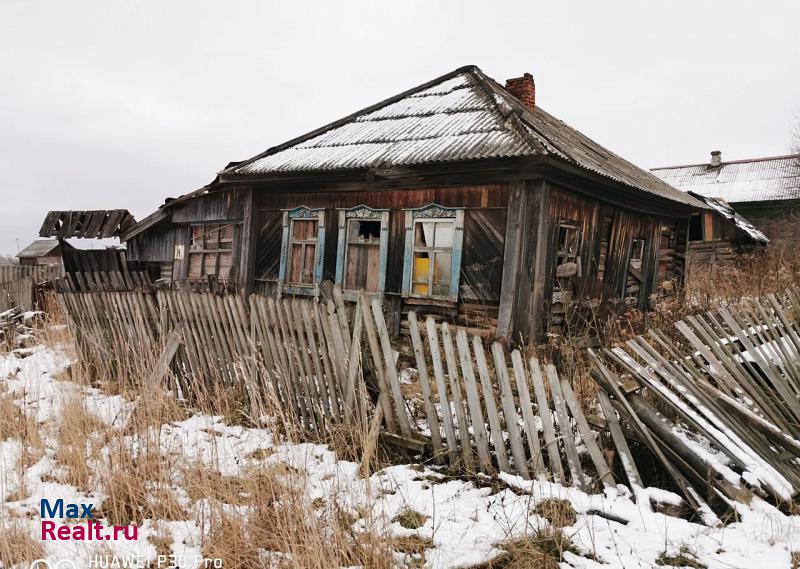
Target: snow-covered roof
(463, 115)
(754, 180)
(725, 210)
(39, 248)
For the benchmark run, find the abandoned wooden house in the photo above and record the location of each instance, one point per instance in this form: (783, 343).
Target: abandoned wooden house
(764, 190)
(460, 197)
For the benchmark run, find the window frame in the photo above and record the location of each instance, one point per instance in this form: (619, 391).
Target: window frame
(301, 213)
(362, 212)
(565, 255)
(189, 253)
(433, 213)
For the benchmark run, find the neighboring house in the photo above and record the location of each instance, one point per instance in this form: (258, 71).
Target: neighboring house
(764, 190)
(41, 252)
(460, 198)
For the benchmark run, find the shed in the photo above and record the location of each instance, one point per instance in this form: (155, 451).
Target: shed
(41, 252)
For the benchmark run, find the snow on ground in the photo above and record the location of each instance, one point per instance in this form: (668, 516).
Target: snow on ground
(464, 522)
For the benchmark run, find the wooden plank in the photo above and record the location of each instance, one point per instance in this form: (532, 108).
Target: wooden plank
(531, 427)
(565, 428)
(626, 457)
(391, 369)
(294, 320)
(377, 363)
(441, 386)
(351, 389)
(473, 400)
(164, 360)
(427, 393)
(550, 441)
(325, 395)
(341, 311)
(496, 431)
(509, 410)
(455, 390)
(588, 437)
(288, 368)
(334, 390)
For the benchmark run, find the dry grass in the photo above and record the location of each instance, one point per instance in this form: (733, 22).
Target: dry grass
(283, 526)
(559, 513)
(81, 435)
(682, 559)
(410, 519)
(542, 549)
(138, 486)
(156, 408)
(17, 546)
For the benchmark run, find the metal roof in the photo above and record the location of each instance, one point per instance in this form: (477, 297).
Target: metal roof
(39, 248)
(463, 115)
(754, 180)
(725, 210)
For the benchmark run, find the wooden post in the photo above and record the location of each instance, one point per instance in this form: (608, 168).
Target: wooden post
(516, 243)
(247, 248)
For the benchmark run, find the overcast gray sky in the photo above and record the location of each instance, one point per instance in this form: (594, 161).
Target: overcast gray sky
(108, 104)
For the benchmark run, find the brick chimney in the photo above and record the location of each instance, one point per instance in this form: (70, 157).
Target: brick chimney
(523, 89)
(716, 158)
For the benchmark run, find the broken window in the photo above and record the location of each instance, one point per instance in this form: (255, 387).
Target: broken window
(637, 253)
(433, 252)
(362, 253)
(634, 284)
(303, 245)
(567, 263)
(210, 251)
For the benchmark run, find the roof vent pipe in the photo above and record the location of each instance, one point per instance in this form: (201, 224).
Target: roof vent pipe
(716, 158)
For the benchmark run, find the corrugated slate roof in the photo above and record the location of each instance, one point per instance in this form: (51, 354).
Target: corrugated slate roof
(463, 115)
(755, 180)
(39, 248)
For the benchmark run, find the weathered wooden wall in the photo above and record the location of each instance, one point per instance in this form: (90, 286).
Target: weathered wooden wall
(510, 237)
(482, 263)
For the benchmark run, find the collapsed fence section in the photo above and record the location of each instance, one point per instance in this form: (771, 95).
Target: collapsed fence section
(718, 406)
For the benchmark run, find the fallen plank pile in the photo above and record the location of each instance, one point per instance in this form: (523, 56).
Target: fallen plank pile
(729, 401)
(16, 328)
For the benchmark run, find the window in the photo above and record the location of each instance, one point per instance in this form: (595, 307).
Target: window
(434, 236)
(634, 282)
(362, 250)
(637, 253)
(210, 250)
(567, 262)
(302, 250)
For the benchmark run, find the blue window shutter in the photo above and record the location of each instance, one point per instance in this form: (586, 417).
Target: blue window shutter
(340, 248)
(384, 252)
(320, 253)
(284, 252)
(408, 254)
(455, 267)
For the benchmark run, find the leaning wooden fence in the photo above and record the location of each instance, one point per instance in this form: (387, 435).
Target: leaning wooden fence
(329, 364)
